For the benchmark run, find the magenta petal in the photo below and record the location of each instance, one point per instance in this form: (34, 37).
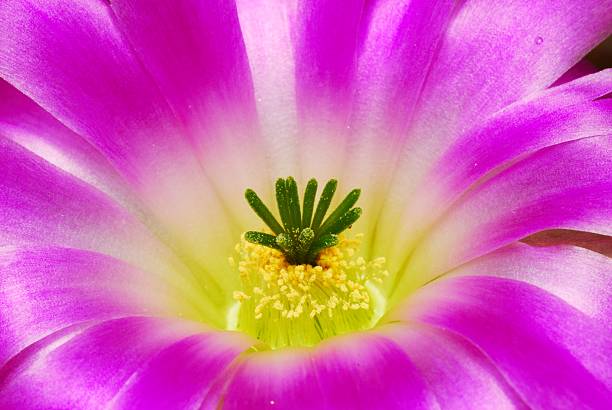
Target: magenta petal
(551, 353)
(25, 123)
(399, 44)
(326, 45)
(580, 277)
(564, 113)
(459, 374)
(355, 372)
(70, 58)
(268, 38)
(195, 53)
(40, 204)
(351, 72)
(565, 186)
(97, 363)
(326, 49)
(46, 289)
(181, 375)
(495, 54)
(492, 55)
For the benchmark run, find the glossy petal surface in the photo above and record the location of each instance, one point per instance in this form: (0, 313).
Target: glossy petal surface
(99, 362)
(549, 351)
(360, 372)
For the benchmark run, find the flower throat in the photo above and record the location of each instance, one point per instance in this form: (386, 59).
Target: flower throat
(303, 281)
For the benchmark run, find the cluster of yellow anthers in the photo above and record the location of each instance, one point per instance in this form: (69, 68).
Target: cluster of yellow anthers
(337, 282)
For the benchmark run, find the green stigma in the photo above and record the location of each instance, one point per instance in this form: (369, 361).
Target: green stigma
(302, 236)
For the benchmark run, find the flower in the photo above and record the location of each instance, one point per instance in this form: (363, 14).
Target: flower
(130, 130)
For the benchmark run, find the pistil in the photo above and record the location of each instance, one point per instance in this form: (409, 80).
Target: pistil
(302, 236)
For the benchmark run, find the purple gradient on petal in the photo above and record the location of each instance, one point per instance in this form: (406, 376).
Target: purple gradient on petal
(356, 372)
(46, 289)
(565, 186)
(490, 58)
(92, 366)
(551, 353)
(147, 83)
(583, 279)
(41, 204)
(27, 124)
(181, 374)
(195, 53)
(584, 67)
(69, 57)
(459, 374)
(399, 46)
(562, 114)
(327, 43)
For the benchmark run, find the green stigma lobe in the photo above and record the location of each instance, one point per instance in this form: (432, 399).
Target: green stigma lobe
(283, 204)
(309, 201)
(302, 236)
(324, 202)
(262, 211)
(341, 211)
(293, 201)
(261, 238)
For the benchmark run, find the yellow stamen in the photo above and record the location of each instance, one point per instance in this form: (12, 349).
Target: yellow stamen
(284, 304)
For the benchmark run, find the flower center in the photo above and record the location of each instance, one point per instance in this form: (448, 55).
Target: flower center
(305, 282)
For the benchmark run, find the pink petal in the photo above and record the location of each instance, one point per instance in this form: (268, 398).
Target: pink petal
(327, 41)
(350, 73)
(181, 375)
(565, 113)
(267, 33)
(579, 277)
(551, 353)
(565, 186)
(584, 67)
(70, 58)
(459, 374)
(494, 55)
(40, 204)
(25, 123)
(52, 50)
(355, 372)
(568, 112)
(399, 46)
(121, 362)
(46, 289)
(195, 53)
